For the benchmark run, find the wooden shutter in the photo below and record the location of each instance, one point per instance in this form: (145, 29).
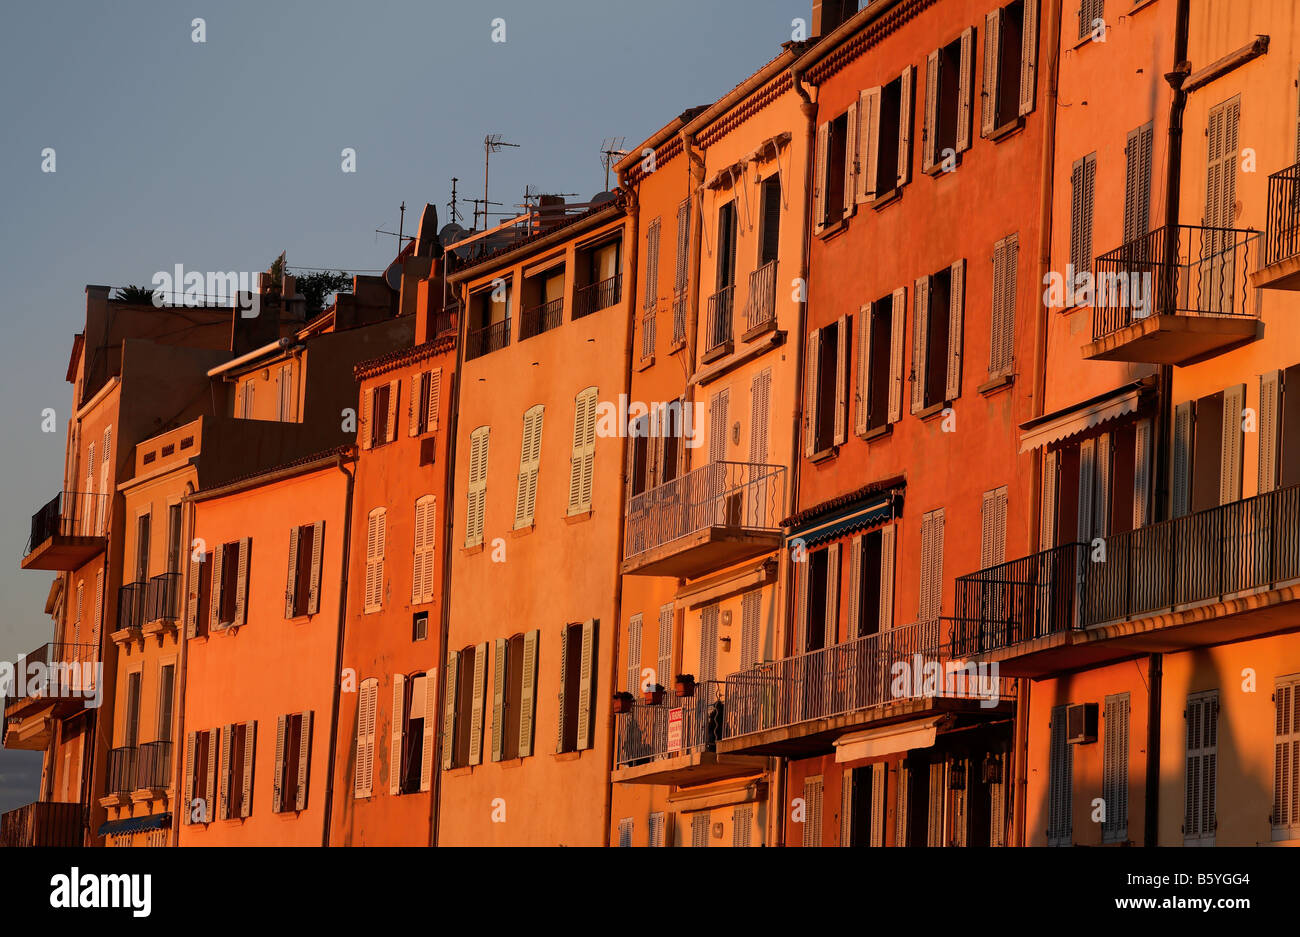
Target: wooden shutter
(250, 752)
(965, 88)
(759, 416)
(879, 787)
(931, 565)
(241, 583)
(397, 728)
(1286, 757)
(522, 518)
(476, 707)
(477, 488)
(907, 81)
(989, 110)
(902, 808)
(210, 792)
(956, 307)
(371, 718)
(304, 761)
(664, 669)
(390, 425)
(987, 520)
(1230, 470)
(363, 421)
(708, 669)
(846, 807)
(1087, 485)
(1137, 182)
(803, 572)
(869, 108)
(563, 697)
(528, 696)
(99, 604)
(1060, 796)
(1028, 56)
(887, 539)
(1182, 458)
(1200, 807)
(920, 325)
(225, 733)
(214, 593)
(810, 394)
(819, 180)
(1089, 201)
(851, 156)
(896, 324)
(586, 684)
(582, 465)
(683, 246)
(842, 381)
(750, 617)
(812, 798)
(194, 585)
(1076, 217)
(652, 265)
(430, 715)
(191, 739)
(1001, 345)
(413, 403)
(1101, 509)
(1269, 384)
(317, 557)
(633, 663)
(1141, 473)
(449, 711)
(938, 802)
(1114, 784)
(930, 126)
(291, 583)
(832, 622)
(1047, 515)
(417, 554)
(998, 806)
(500, 647)
(852, 621)
(277, 789)
(861, 408)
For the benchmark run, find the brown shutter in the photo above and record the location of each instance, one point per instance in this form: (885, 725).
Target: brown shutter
(498, 697)
(317, 549)
(920, 324)
(528, 696)
(1028, 56)
(413, 404)
(304, 761)
(956, 306)
(250, 752)
(449, 712)
(819, 180)
(214, 593)
(869, 108)
(851, 155)
(897, 330)
(219, 739)
(861, 407)
(430, 716)
(193, 586)
(187, 810)
(291, 581)
(931, 125)
(810, 394)
(476, 705)
(842, 380)
(906, 95)
(241, 583)
(989, 111)
(586, 684)
(965, 88)
(887, 536)
(1268, 425)
(277, 789)
(363, 421)
(397, 728)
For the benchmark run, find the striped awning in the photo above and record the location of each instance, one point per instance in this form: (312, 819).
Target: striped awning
(889, 740)
(846, 521)
(156, 821)
(1069, 421)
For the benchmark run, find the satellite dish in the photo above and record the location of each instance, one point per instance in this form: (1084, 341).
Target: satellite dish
(601, 197)
(451, 233)
(393, 276)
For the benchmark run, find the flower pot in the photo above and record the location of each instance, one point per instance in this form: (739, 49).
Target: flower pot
(685, 685)
(622, 702)
(654, 695)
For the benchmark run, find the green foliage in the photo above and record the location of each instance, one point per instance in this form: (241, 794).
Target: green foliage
(141, 295)
(315, 287)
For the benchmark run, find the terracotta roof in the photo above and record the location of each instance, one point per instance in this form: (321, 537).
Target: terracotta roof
(395, 359)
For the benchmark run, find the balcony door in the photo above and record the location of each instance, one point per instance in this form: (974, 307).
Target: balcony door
(142, 548)
(1217, 267)
(131, 724)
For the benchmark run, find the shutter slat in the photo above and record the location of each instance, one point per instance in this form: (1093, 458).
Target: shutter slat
(397, 728)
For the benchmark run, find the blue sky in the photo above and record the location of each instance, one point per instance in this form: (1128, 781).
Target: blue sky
(220, 155)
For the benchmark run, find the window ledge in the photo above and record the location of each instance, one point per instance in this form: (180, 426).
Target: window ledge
(1139, 5)
(1009, 129)
(884, 199)
(721, 351)
(524, 531)
(759, 330)
(461, 771)
(470, 551)
(645, 363)
(510, 763)
(937, 170)
(677, 346)
(567, 756)
(995, 384)
(833, 229)
(824, 454)
(578, 517)
(933, 410)
(878, 432)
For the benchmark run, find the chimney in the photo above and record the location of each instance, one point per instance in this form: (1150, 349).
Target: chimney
(828, 15)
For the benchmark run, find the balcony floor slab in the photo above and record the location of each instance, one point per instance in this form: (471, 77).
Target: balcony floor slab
(702, 552)
(1175, 339)
(64, 553)
(690, 768)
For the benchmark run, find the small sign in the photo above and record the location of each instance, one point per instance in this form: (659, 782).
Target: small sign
(675, 730)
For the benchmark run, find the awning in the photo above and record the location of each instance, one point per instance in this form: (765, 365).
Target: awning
(157, 821)
(889, 740)
(1074, 419)
(770, 147)
(850, 520)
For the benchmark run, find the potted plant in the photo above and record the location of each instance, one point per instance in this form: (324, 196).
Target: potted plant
(622, 702)
(653, 695)
(685, 685)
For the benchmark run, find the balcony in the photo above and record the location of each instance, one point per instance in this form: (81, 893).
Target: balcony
(1224, 574)
(708, 519)
(799, 705)
(488, 339)
(717, 335)
(68, 532)
(1281, 270)
(760, 313)
(541, 318)
(43, 823)
(597, 296)
(676, 741)
(1158, 302)
(162, 603)
(121, 776)
(153, 770)
(130, 611)
(51, 681)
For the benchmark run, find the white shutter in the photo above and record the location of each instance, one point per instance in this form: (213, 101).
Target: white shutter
(435, 400)
(810, 394)
(394, 392)
(367, 414)
(759, 416)
(869, 109)
(1142, 473)
(851, 156)
(831, 625)
(853, 618)
(1234, 400)
(430, 716)
(413, 403)
(842, 381)
(663, 672)
(586, 684)
(930, 128)
(633, 662)
(907, 81)
(501, 647)
(803, 574)
(1200, 806)
(528, 696)
(1101, 518)
(709, 643)
(304, 761)
(751, 610)
(819, 180)
(1115, 781)
(1269, 385)
(956, 307)
(1047, 514)
(920, 324)
(477, 704)
(450, 696)
(250, 753)
(214, 591)
(241, 583)
(897, 323)
(1182, 458)
(1087, 485)
(317, 559)
(398, 728)
(193, 586)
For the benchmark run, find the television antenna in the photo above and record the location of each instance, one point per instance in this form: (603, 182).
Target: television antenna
(454, 211)
(491, 143)
(610, 149)
(401, 226)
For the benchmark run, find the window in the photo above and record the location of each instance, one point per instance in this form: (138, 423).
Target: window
(1208, 451)
(871, 583)
(292, 762)
(826, 398)
(742, 826)
(166, 697)
(769, 233)
(174, 538)
(625, 832)
(1114, 774)
(420, 626)
(198, 586)
(426, 540)
(833, 192)
(700, 830)
(1083, 186)
(378, 424)
(751, 627)
(993, 528)
(633, 657)
(1279, 429)
(931, 600)
(284, 409)
(884, 158)
(726, 274)
(1286, 758)
(514, 696)
(818, 600)
(246, 399)
(238, 742)
(583, 457)
(760, 396)
(425, 401)
(530, 460)
(1006, 257)
(812, 822)
(200, 775)
(1010, 60)
(709, 617)
(949, 73)
(1137, 182)
(142, 547)
(476, 491)
(302, 589)
(410, 754)
(1199, 817)
(1090, 11)
(578, 656)
(879, 390)
(862, 806)
(131, 722)
(363, 776)
(227, 596)
(376, 545)
(462, 738)
(1059, 781)
(940, 301)
(656, 834)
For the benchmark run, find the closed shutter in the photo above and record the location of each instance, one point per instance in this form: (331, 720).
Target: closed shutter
(397, 730)
(99, 606)
(759, 416)
(1221, 166)
(887, 535)
(1182, 459)
(846, 808)
(417, 553)
(931, 565)
(719, 404)
(586, 684)
(1137, 182)
(241, 583)
(430, 713)
(476, 493)
(193, 586)
(1141, 473)
(1006, 257)
(105, 465)
(449, 711)
(1202, 717)
(931, 123)
(683, 251)
(1076, 217)
(291, 583)
(851, 157)
(317, 558)
(582, 465)
(869, 108)
(651, 266)
(879, 788)
(665, 659)
(1089, 200)
(935, 829)
(742, 826)
(367, 414)
(907, 81)
(530, 451)
(989, 110)
(413, 399)
(988, 512)
(1060, 781)
(1028, 56)
(832, 595)
(1286, 759)
(365, 739)
(633, 663)
(812, 798)
(965, 88)
(820, 179)
(810, 393)
(956, 307)
(1230, 470)
(861, 406)
(920, 326)
(381, 548)
(1101, 511)
(250, 752)
(803, 572)
(210, 792)
(1087, 485)
(709, 643)
(215, 590)
(1114, 774)
(277, 789)
(853, 616)
(1269, 385)
(896, 332)
(500, 649)
(528, 694)
(191, 739)
(750, 618)
(902, 812)
(225, 732)
(1047, 514)
(304, 760)
(998, 805)
(477, 704)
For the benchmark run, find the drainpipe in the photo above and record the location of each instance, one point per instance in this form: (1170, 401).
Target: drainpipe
(694, 186)
(338, 652)
(1049, 75)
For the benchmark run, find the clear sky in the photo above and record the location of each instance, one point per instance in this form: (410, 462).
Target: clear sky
(220, 155)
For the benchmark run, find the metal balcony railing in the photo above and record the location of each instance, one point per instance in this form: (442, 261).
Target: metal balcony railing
(446, 320)
(121, 770)
(718, 324)
(65, 671)
(856, 676)
(163, 598)
(494, 337)
(1248, 544)
(68, 514)
(740, 495)
(541, 318)
(762, 296)
(154, 765)
(679, 316)
(643, 733)
(597, 296)
(131, 605)
(1203, 272)
(1282, 238)
(44, 823)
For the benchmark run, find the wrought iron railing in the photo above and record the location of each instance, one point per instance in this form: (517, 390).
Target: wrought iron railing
(1031, 597)
(718, 323)
(762, 296)
(68, 514)
(154, 765)
(44, 823)
(488, 339)
(911, 662)
(1282, 239)
(121, 770)
(643, 733)
(597, 296)
(446, 320)
(747, 495)
(679, 316)
(55, 671)
(131, 605)
(163, 598)
(541, 318)
(1203, 272)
